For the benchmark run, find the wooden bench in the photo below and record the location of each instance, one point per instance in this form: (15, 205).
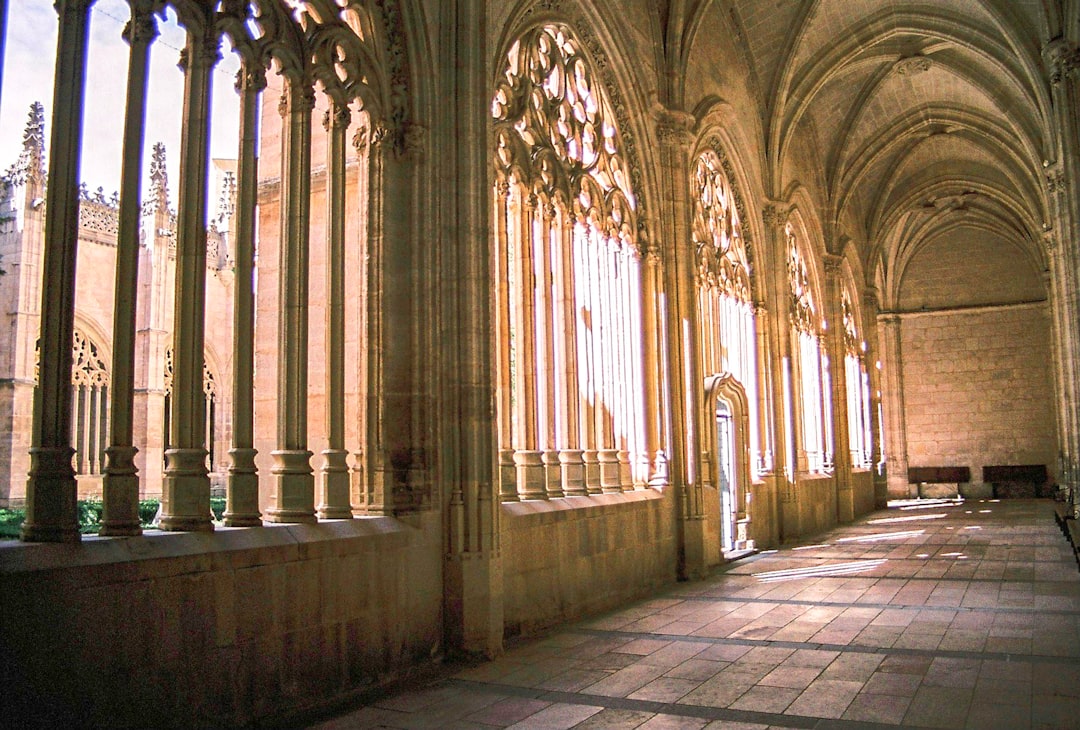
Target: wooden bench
(1018, 481)
(953, 476)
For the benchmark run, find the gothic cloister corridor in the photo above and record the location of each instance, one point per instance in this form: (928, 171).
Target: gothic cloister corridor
(931, 614)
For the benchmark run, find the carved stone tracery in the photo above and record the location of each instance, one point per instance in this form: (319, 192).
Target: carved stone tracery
(802, 299)
(717, 231)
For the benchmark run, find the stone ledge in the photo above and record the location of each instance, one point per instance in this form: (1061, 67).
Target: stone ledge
(239, 546)
(563, 508)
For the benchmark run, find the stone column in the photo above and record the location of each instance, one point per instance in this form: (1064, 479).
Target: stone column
(779, 370)
(835, 347)
(508, 491)
(765, 390)
(872, 358)
(570, 455)
(527, 457)
(655, 372)
(1062, 57)
(686, 384)
(892, 363)
(185, 498)
(120, 485)
(51, 494)
(334, 495)
(242, 485)
(545, 354)
(293, 493)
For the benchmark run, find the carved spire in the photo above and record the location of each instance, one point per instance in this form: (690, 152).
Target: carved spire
(31, 162)
(159, 180)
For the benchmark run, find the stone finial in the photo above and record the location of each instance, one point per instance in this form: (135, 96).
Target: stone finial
(31, 162)
(159, 180)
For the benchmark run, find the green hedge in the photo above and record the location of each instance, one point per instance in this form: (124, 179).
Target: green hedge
(90, 516)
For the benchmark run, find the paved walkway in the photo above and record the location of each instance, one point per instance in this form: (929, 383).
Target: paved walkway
(944, 615)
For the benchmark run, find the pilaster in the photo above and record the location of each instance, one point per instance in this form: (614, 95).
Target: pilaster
(892, 363)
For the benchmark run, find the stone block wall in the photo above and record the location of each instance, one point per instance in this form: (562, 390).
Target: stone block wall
(978, 389)
(568, 558)
(226, 629)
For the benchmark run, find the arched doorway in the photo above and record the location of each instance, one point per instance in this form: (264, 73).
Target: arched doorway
(728, 432)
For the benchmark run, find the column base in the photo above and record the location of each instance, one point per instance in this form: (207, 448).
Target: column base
(592, 471)
(185, 492)
(242, 490)
(552, 474)
(120, 494)
(294, 488)
(573, 472)
(52, 512)
(507, 476)
(530, 475)
(335, 486)
(609, 471)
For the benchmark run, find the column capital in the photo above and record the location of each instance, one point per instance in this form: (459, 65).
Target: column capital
(832, 264)
(250, 78)
(142, 28)
(1055, 178)
(1062, 58)
(775, 214)
(674, 128)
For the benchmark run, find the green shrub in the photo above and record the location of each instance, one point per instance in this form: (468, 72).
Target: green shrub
(10, 522)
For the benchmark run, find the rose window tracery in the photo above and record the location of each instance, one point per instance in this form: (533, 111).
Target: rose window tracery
(717, 232)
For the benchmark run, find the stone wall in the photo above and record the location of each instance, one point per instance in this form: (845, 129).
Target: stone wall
(196, 630)
(978, 389)
(568, 558)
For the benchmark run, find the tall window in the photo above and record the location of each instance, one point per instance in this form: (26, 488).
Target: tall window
(90, 405)
(858, 384)
(725, 296)
(567, 279)
(210, 419)
(811, 374)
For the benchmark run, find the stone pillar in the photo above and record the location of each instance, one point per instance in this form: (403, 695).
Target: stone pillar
(334, 492)
(545, 307)
(473, 580)
(572, 467)
(185, 498)
(527, 457)
(293, 493)
(242, 481)
(657, 437)
(508, 491)
(686, 384)
(892, 364)
(51, 501)
(834, 344)
(1062, 57)
(873, 355)
(120, 485)
(778, 368)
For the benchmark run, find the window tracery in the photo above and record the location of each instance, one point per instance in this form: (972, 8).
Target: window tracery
(567, 278)
(728, 338)
(858, 383)
(811, 364)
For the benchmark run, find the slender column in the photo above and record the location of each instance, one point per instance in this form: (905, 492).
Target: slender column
(120, 485)
(51, 511)
(335, 470)
(588, 336)
(570, 461)
(872, 355)
(293, 494)
(608, 310)
(527, 458)
(656, 400)
(185, 498)
(505, 415)
(766, 414)
(242, 486)
(893, 363)
(833, 342)
(545, 351)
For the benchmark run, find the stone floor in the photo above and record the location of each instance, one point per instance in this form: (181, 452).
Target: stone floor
(929, 614)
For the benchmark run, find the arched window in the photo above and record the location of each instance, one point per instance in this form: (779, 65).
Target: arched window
(811, 374)
(567, 279)
(210, 422)
(858, 383)
(90, 405)
(725, 297)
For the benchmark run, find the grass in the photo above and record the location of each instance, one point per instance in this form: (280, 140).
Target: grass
(90, 516)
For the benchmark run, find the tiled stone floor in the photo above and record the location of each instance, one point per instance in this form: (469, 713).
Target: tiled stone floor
(927, 615)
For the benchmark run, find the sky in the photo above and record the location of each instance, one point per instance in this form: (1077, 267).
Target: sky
(29, 63)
